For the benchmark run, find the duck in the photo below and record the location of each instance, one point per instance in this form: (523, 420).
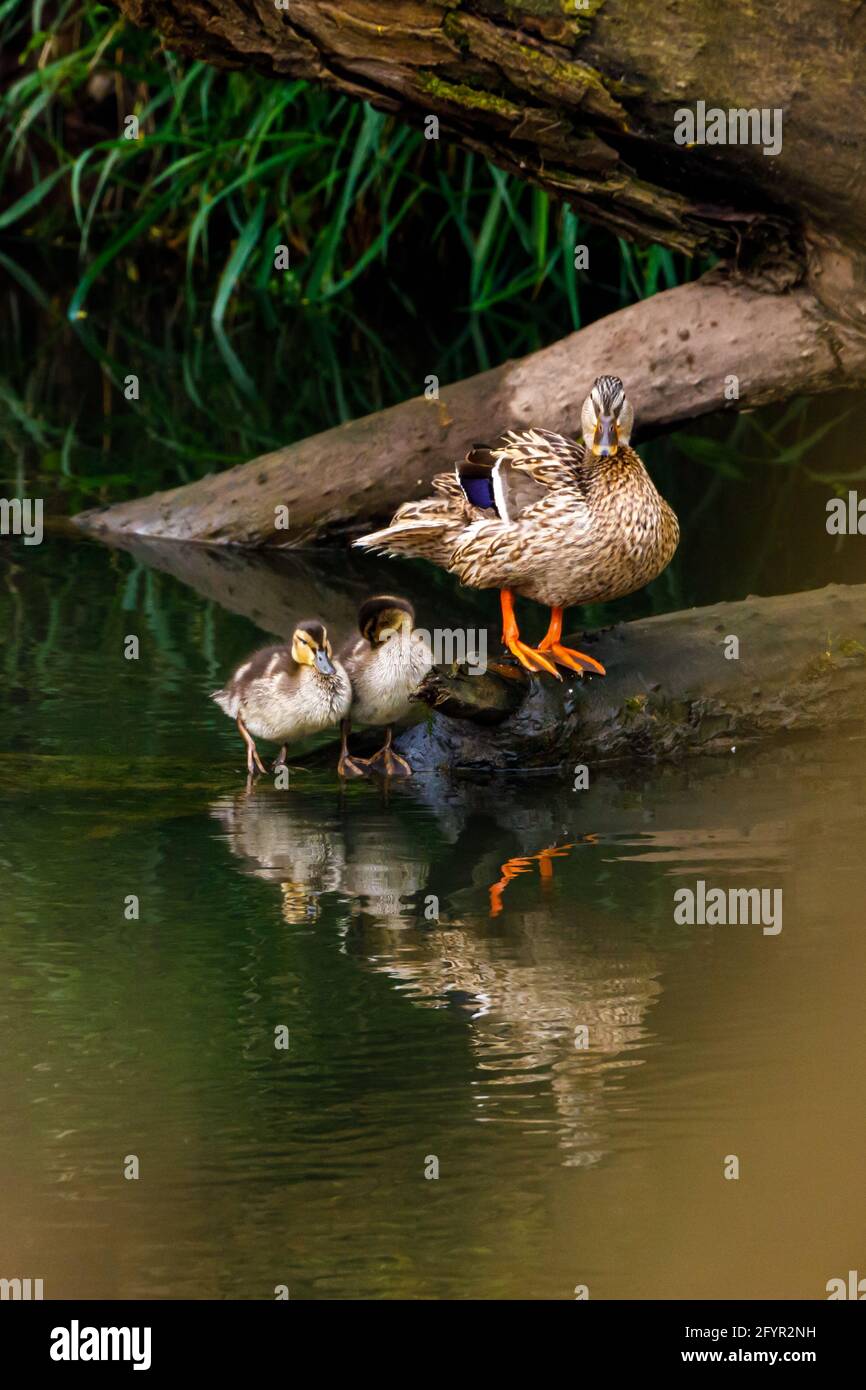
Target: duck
(548, 518)
(386, 660)
(288, 692)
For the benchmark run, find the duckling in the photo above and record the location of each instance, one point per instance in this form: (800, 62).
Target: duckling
(286, 693)
(386, 663)
(547, 518)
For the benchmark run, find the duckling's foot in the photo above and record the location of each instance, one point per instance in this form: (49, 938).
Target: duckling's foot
(388, 763)
(350, 767)
(577, 661)
(529, 657)
(253, 759)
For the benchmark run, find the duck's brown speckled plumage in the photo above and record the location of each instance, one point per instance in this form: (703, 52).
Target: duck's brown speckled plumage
(584, 529)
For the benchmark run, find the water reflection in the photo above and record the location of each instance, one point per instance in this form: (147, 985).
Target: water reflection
(410, 1034)
(549, 1013)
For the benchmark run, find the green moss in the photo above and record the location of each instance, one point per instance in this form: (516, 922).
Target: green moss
(566, 74)
(461, 95)
(583, 12)
(578, 13)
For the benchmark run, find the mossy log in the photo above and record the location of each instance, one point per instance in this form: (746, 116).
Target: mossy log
(579, 95)
(581, 100)
(673, 686)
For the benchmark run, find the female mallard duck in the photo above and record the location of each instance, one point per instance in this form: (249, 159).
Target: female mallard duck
(286, 693)
(386, 663)
(547, 518)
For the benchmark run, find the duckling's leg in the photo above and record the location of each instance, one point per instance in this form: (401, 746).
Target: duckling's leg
(348, 766)
(253, 759)
(566, 656)
(527, 656)
(386, 761)
(280, 759)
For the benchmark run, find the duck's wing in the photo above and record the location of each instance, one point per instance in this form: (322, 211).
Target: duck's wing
(551, 459)
(429, 528)
(518, 472)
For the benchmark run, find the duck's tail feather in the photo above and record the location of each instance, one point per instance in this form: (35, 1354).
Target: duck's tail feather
(227, 701)
(429, 529)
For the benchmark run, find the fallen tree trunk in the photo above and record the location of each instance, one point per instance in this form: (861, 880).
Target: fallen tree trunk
(670, 689)
(675, 352)
(580, 97)
(581, 100)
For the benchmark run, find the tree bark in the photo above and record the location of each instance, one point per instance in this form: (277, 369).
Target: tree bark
(580, 97)
(670, 689)
(581, 100)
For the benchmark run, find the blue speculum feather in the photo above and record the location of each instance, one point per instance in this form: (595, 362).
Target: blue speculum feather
(479, 491)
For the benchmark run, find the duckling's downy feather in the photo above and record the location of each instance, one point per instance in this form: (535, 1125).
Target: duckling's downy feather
(281, 701)
(385, 675)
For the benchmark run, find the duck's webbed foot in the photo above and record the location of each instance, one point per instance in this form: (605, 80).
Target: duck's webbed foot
(388, 763)
(567, 656)
(577, 661)
(349, 767)
(529, 657)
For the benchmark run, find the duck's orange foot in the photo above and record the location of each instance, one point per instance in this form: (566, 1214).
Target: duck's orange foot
(529, 657)
(577, 661)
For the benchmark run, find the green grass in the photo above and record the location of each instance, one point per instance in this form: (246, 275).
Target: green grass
(156, 257)
(229, 166)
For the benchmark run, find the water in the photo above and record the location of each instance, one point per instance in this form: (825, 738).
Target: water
(409, 1038)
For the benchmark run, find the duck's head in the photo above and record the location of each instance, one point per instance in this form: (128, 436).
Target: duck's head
(385, 616)
(310, 647)
(607, 417)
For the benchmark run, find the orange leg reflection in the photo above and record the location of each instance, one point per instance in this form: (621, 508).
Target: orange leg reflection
(523, 865)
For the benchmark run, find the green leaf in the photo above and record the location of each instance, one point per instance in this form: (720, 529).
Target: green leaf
(237, 260)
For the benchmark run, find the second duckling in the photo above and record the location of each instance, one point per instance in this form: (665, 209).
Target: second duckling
(286, 693)
(386, 663)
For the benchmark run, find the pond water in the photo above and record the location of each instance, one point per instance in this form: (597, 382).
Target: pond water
(413, 1040)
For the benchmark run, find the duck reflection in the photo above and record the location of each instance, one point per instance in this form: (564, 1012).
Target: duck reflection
(300, 853)
(553, 993)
